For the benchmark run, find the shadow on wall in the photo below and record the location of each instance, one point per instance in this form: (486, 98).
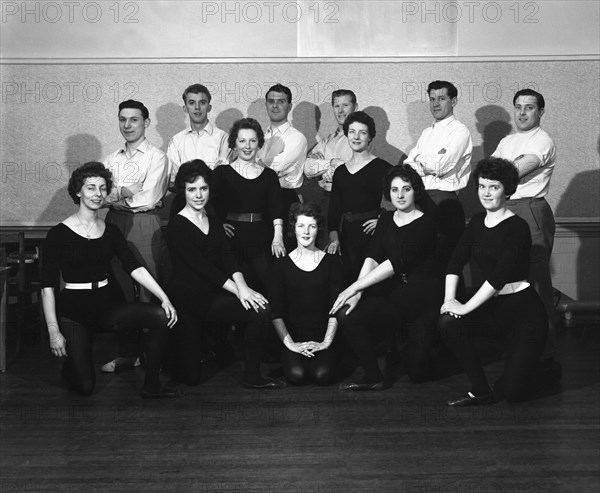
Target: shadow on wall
(170, 119)
(584, 187)
(227, 118)
(493, 124)
(80, 149)
(380, 146)
(258, 111)
(306, 118)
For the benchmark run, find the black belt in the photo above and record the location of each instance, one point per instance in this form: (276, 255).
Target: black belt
(245, 217)
(359, 216)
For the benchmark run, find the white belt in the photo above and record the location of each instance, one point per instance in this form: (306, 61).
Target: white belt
(513, 287)
(86, 285)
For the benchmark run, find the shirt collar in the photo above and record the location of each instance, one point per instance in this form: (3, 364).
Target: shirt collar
(208, 128)
(445, 122)
(281, 128)
(143, 147)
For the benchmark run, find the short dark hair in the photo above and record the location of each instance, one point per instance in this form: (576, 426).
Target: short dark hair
(280, 88)
(360, 117)
(92, 169)
(343, 92)
(530, 92)
(189, 173)
(502, 170)
(196, 89)
(245, 123)
(436, 85)
(132, 103)
(309, 209)
(409, 175)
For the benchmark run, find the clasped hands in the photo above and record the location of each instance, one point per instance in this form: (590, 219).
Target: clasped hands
(308, 348)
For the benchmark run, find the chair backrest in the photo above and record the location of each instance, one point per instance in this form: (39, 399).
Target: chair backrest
(12, 254)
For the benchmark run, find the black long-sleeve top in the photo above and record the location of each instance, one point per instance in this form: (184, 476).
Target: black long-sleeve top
(234, 193)
(502, 252)
(303, 298)
(358, 192)
(411, 248)
(202, 263)
(83, 260)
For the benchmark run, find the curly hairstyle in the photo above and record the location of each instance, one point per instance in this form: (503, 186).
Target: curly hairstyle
(92, 169)
(407, 174)
(502, 170)
(360, 117)
(309, 209)
(189, 173)
(245, 124)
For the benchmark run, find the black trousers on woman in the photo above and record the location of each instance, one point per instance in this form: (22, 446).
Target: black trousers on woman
(225, 308)
(354, 243)
(521, 320)
(78, 367)
(415, 304)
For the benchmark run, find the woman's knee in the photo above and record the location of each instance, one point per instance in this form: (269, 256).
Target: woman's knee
(323, 374)
(295, 374)
(448, 327)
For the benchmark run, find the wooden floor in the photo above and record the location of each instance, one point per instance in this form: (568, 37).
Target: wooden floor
(222, 438)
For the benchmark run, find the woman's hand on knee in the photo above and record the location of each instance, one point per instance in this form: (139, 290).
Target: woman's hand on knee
(58, 343)
(170, 312)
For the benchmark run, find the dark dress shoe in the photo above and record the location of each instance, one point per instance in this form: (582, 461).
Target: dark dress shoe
(268, 384)
(162, 393)
(469, 399)
(362, 386)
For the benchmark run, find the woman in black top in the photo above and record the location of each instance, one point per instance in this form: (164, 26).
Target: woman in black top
(355, 195)
(80, 249)
(400, 275)
(248, 200)
(505, 305)
(207, 284)
(302, 287)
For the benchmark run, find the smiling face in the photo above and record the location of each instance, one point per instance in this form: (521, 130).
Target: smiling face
(306, 230)
(93, 193)
(440, 104)
(527, 113)
(246, 144)
(342, 107)
(491, 194)
(278, 107)
(402, 195)
(196, 194)
(133, 125)
(358, 136)
(197, 107)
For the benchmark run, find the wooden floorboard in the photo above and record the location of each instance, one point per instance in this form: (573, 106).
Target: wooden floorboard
(223, 438)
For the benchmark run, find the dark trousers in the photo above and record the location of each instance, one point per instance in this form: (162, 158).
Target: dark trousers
(78, 367)
(225, 308)
(518, 318)
(299, 369)
(353, 243)
(415, 304)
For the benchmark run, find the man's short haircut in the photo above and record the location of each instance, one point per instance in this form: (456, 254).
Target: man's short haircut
(436, 85)
(308, 209)
(407, 174)
(343, 92)
(502, 170)
(280, 88)
(92, 169)
(530, 92)
(249, 124)
(132, 103)
(189, 173)
(196, 89)
(360, 117)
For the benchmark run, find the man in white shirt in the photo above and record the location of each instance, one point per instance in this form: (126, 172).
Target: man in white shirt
(285, 148)
(140, 177)
(533, 152)
(442, 157)
(333, 150)
(199, 140)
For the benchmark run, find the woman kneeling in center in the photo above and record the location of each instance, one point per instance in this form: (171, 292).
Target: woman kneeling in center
(303, 285)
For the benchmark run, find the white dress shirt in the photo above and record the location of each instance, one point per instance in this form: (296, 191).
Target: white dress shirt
(335, 145)
(442, 155)
(285, 152)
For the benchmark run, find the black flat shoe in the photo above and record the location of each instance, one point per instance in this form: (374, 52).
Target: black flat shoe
(162, 393)
(469, 399)
(362, 386)
(267, 384)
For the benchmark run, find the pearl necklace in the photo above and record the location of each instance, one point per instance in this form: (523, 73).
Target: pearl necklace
(89, 230)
